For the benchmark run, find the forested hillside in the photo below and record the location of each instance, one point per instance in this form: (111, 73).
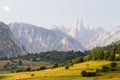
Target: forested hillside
(110, 52)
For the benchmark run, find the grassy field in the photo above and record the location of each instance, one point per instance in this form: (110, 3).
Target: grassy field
(61, 74)
(31, 64)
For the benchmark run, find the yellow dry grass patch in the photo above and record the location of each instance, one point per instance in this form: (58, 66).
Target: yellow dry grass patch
(73, 71)
(20, 76)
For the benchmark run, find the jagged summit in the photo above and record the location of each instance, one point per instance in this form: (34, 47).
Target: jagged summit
(83, 33)
(78, 25)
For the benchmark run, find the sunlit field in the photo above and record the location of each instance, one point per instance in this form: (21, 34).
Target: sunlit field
(61, 74)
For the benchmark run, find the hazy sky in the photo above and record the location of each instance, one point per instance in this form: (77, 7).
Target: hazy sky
(104, 13)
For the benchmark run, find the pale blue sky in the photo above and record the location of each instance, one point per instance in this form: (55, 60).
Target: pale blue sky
(104, 13)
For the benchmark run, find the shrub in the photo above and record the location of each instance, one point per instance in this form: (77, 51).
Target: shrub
(104, 68)
(33, 69)
(70, 64)
(91, 74)
(113, 69)
(28, 69)
(113, 64)
(20, 70)
(97, 70)
(37, 69)
(55, 65)
(12, 71)
(32, 75)
(88, 74)
(20, 63)
(83, 73)
(66, 67)
(42, 68)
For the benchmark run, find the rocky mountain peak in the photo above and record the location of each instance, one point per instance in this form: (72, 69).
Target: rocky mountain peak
(78, 26)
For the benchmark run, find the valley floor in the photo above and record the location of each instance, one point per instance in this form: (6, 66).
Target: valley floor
(61, 74)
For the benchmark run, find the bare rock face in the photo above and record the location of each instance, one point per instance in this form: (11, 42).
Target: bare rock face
(38, 39)
(9, 46)
(84, 33)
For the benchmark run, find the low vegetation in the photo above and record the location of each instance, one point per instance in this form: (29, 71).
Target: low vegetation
(73, 73)
(101, 63)
(50, 56)
(22, 66)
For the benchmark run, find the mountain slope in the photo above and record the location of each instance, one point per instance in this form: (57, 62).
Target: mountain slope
(93, 37)
(8, 44)
(104, 38)
(83, 33)
(37, 39)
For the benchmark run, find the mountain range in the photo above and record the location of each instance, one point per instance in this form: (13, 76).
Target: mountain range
(80, 37)
(39, 39)
(105, 38)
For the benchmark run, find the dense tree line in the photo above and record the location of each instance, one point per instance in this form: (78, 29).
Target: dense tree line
(110, 52)
(53, 56)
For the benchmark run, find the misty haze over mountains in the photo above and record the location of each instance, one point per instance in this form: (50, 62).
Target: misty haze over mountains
(79, 37)
(38, 39)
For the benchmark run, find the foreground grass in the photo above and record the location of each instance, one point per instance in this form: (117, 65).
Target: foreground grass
(61, 74)
(61, 78)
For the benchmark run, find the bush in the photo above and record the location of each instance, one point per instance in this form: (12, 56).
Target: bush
(113, 69)
(91, 74)
(32, 75)
(43, 68)
(12, 71)
(88, 74)
(33, 70)
(66, 67)
(20, 63)
(70, 64)
(37, 69)
(113, 64)
(105, 68)
(20, 70)
(55, 65)
(83, 73)
(28, 69)
(97, 70)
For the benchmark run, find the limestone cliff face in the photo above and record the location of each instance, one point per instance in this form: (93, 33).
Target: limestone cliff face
(9, 46)
(39, 39)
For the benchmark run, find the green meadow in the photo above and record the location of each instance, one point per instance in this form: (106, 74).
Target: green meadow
(74, 73)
